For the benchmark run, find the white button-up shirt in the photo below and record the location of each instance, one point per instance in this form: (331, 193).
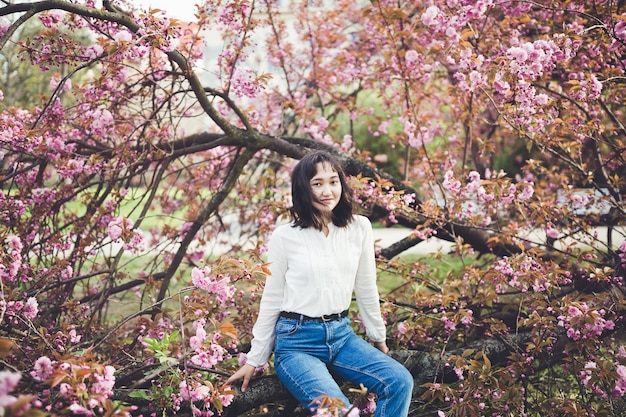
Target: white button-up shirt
(314, 274)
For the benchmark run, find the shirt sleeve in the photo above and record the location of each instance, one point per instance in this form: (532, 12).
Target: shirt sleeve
(365, 288)
(263, 331)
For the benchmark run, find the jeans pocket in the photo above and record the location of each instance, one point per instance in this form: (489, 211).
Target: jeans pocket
(285, 328)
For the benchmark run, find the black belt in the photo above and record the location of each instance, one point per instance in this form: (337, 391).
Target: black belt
(298, 316)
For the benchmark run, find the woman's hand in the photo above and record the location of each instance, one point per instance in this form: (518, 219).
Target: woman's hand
(244, 373)
(382, 346)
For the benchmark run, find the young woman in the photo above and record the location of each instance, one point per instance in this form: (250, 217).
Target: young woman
(316, 264)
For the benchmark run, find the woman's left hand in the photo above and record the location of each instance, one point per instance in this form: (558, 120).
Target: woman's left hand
(382, 346)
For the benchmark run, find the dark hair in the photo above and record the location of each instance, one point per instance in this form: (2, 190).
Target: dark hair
(303, 213)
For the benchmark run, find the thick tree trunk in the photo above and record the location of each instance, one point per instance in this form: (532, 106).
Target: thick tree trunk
(268, 390)
(424, 366)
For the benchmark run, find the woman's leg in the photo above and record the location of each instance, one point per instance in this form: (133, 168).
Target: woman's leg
(308, 379)
(300, 356)
(361, 363)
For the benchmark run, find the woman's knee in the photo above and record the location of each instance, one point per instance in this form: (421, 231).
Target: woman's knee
(403, 380)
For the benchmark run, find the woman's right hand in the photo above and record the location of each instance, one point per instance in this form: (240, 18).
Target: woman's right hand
(244, 373)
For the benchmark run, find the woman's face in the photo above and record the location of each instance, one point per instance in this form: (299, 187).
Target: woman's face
(326, 188)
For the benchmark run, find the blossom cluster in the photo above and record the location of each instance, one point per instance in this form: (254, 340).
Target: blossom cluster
(85, 386)
(13, 258)
(592, 373)
(582, 321)
(8, 382)
(16, 309)
(207, 352)
(202, 392)
(522, 273)
(473, 198)
(121, 228)
(218, 285)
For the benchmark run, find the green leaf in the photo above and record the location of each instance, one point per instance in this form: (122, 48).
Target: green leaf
(140, 394)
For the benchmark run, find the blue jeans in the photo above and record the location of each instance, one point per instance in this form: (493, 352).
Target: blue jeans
(306, 352)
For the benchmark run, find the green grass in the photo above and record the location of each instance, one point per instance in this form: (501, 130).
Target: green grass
(422, 273)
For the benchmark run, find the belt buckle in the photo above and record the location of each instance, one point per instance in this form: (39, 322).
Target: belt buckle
(326, 318)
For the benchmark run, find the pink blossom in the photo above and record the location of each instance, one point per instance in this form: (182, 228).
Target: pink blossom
(402, 329)
(620, 384)
(588, 90)
(102, 120)
(474, 183)
(80, 410)
(31, 308)
(195, 342)
(244, 83)
(518, 53)
(574, 311)
(317, 130)
(585, 374)
(242, 358)
(526, 193)
(123, 36)
(117, 226)
(71, 168)
(426, 136)
(43, 368)
(201, 393)
(509, 196)
(450, 184)
(408, 199)
(347, 143)
(593, 323)
(183, 390)
(93, 51)
(4, 27)
(226, 399)
(103, 384)
(51, 18)
(551, 232)
(368, 406)
(411, 56)
(41, 195)
(56, 80)
(409, 129)
(10, 274)
(114, 230)
(8, 381)
(219, 285)
(209, 358)
(448, 324)
(620, 30)
(501, 85)
(477, 80)
(135, 244)
(429, 17)
(66, 390)
(382, 127)
(14, 243)
(468, 318)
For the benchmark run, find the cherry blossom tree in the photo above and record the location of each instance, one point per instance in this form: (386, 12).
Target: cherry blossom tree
(138, 191)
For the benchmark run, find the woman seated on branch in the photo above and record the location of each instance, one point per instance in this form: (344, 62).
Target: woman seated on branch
(317, 261)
